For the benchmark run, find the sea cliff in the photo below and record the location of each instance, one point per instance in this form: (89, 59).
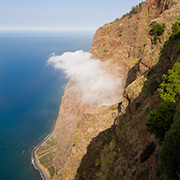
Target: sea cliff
(105, 142)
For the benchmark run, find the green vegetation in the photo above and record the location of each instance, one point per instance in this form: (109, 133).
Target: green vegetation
(169, 154)
(175, 31)
(134, 10)
(136, 61)
(148, 151)
(48, 157)
(40, 153)
(170, 87)
(51, 142)
(146, 26)
(51, 171)
(114, 108)
(175, 28)
(165, 124)
(77, 138)
(43, 148)
(159, 122)
(156, 30)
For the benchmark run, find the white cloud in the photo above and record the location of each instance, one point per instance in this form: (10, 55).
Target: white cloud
(100, 83)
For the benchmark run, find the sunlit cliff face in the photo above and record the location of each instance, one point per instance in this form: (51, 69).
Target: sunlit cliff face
(100, 83)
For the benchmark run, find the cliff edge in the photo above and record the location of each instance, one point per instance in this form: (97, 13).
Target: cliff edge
(104, 143)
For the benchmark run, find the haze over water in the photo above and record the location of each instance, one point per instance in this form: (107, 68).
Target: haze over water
(30, 94)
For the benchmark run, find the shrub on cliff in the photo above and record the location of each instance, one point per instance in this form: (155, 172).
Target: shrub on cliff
(175, 30)
(156, 30)
(159, 122)
(134, 10)
(169, 154)
(170, 87)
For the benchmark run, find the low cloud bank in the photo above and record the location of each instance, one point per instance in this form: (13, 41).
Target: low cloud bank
(100, 83)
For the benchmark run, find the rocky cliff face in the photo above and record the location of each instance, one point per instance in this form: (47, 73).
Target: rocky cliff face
(103, 143)
(127, 40)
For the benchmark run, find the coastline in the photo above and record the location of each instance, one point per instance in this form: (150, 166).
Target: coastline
(34, 160)
(65, 127)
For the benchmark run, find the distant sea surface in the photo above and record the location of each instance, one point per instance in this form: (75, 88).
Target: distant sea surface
(30, 94)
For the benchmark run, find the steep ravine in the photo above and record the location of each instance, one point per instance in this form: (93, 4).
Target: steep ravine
(104, 143)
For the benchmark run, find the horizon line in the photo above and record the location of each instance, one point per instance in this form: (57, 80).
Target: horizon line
(47, 29)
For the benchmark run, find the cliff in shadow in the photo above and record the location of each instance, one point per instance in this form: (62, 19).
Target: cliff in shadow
(115, 153)
(104, 143)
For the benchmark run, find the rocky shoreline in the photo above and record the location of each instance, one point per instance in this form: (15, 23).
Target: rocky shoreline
(50, 148)
(34, 159)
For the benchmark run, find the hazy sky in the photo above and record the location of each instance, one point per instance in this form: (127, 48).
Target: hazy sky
(61, 14)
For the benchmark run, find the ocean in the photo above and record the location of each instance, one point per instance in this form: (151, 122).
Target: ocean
(30, 94)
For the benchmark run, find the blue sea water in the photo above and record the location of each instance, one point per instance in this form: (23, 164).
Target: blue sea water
(30, 94)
